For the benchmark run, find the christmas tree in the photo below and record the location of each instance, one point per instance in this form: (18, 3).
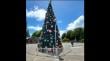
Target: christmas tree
(27, 34)
(50, 37)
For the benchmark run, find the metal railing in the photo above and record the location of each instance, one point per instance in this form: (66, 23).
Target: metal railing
(50, 51)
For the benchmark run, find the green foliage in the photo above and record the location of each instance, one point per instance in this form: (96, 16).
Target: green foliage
(68, 34)
(65, 40)
(82, 40)
(63, 35)
(77, 33)
(27, 33)
(37, 33)
(72, 35)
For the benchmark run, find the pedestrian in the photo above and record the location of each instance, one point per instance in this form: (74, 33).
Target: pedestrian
(60, 58)
(72, 42)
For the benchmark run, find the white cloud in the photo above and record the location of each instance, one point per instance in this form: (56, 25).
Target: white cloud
(79, 22)
(37, 13)
(61, 32)
(35, 27)
(35, 7)
(31, 34)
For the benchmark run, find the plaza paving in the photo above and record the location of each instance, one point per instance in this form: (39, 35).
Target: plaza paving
(69, 53)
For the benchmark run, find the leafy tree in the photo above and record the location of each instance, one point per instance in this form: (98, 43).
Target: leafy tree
(27, 33)
(82, 40)
(68, 34)
(79, 33)
(36, 33)
(65, 40)
(72, 35)
(63, 35)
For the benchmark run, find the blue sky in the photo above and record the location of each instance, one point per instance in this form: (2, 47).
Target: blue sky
(69, 14)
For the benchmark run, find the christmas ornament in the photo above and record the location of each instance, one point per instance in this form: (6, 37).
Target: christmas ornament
(46, 17)
(49, 49)
(49, 44)
(51, 41)
(45, 40)
(55, 31)
(46, 26)
(50, 36)
(49, 30)
(47, 22)
(51, 26)
(54, 20)
(57, 44)
(50, 19)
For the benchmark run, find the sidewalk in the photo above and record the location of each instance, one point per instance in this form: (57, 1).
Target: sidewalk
(69, 53)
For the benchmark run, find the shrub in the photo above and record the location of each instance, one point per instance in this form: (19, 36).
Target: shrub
(65, 40)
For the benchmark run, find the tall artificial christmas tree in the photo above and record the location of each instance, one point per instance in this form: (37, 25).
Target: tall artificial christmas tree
(50, 37)
(27, 34)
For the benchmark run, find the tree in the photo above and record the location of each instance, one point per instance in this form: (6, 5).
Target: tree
(82, 40)
(27, 33)
(65, 40)
(82, 34)
(68, 34)
(37, 33)
(50, 37)
(63, 35)
(79, 33)
(72, 35)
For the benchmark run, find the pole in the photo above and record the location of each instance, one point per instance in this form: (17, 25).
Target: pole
(56, 49)
(55, 38)
(49, 1)
(37, 48)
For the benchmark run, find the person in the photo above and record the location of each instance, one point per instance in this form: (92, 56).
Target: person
(60, 58)
(58, 53)
(72, 42)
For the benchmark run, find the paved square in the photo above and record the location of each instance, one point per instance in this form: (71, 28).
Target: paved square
(69, 53)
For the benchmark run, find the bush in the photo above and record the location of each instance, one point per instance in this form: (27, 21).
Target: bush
(65, 40)
(82, 40)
